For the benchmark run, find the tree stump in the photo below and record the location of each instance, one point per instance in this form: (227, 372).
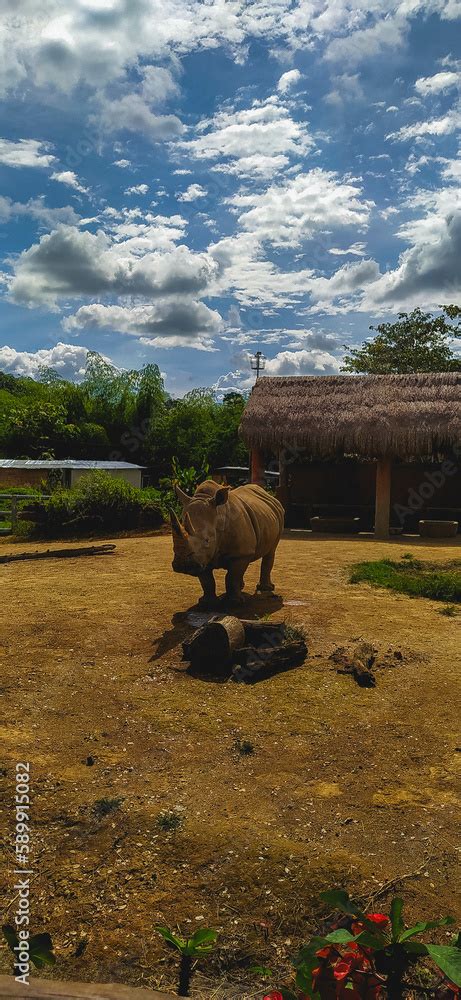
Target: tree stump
(213, 645)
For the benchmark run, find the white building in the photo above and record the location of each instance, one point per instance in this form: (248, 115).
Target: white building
(32, 472)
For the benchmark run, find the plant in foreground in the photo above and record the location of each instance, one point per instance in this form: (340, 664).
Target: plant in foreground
(244, 747)
(190, 949)
(170, 820)
(38, 947)
(371, 956)
(449, 611)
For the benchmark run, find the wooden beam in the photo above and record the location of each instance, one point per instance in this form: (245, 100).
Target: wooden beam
(52, 989)
(257, 467)
(383, 497)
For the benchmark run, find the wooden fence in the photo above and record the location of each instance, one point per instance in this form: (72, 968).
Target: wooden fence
(11, 513)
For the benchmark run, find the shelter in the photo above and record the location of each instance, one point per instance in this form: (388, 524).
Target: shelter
(376, 439)
(31, 471)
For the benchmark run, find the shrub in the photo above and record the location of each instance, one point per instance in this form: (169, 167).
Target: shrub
(98, 503)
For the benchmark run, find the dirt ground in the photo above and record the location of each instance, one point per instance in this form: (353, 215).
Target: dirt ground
(346, 786)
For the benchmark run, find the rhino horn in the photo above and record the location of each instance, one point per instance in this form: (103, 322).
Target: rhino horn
(188, 525)
(176, 525)
(182, 497)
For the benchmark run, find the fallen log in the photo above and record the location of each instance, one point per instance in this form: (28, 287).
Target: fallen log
(213, 645)
(253, 664)
(359, 663)
(89, 550)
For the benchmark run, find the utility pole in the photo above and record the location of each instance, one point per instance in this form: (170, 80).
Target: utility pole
(258, 363)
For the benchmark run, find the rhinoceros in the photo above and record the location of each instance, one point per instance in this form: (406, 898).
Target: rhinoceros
(226, 529)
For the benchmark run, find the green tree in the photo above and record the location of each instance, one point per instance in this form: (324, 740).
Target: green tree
(416, 342)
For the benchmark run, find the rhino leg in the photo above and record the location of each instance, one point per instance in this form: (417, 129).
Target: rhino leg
(234, 580)
(209, 587)
(265, 584)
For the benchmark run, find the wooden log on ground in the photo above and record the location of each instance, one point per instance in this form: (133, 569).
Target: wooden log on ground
(89, 550)
(257, 664)
(262, 633)
(52, 989)
(359, 663)
(212, 646)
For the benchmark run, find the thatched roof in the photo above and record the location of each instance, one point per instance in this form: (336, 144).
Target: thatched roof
(370, 415)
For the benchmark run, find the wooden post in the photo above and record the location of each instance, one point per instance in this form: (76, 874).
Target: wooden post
(257, 467)
(14, 513)
(282, 491)
(383, 497)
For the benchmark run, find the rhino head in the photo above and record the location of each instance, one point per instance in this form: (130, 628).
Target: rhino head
(195, 542)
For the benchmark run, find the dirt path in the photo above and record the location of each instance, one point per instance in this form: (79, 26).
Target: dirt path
(345, 784)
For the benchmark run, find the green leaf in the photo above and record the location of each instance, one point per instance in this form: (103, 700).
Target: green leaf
(427, 925)
(10, 936)
(171, 939)
(261, 970)
(372, 939)
(303, 978)
(448, 960)
(415, 948)
(397, 923)
(340, 900)
(204, 936)
(41, 950)
(341, 936)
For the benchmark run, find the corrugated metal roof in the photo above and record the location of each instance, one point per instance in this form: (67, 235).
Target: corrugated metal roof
(65, 463)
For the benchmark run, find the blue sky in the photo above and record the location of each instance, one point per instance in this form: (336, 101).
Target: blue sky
(185, 182)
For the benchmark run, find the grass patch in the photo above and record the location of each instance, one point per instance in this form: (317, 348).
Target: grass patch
(170, 820)
(104, 807)
(418, 579)
(244, 747)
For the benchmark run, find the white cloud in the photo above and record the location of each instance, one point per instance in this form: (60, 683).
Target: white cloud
(158, 85)
(137, 189)
(191, 193)
(52, 44)
(307, 203)
(368, 43)
(37, 209)
(25, 153)
(288, 80)
(434, 127)
(266, 129)
(347, 87)
(122, 164)
(69, 263)
(132, 114)
(166, 324)
(70, 178)
(68, 360)
(437, 84)
(256, 166)
(356, 249)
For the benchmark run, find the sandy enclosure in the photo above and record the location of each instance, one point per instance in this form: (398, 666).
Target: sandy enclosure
(345, 785)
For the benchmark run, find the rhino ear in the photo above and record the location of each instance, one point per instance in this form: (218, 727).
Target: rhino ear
(182, 497)
(220, 496)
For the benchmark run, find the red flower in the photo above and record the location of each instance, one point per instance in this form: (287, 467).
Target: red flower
(324, 952)
(380, 919)
(275, 995)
